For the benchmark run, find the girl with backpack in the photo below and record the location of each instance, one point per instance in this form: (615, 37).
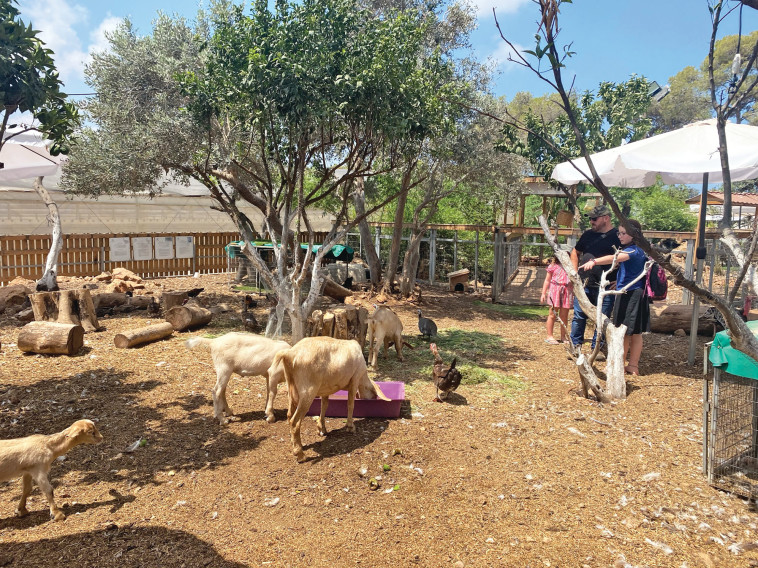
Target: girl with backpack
(558, 293)
(631, 308)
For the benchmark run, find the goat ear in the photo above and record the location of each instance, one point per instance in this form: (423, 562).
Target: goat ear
(379, 393)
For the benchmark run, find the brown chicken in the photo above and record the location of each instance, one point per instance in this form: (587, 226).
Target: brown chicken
(446, 378)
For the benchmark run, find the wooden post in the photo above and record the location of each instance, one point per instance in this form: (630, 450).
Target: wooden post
(51, 338)
(143, 335)
(189, 315)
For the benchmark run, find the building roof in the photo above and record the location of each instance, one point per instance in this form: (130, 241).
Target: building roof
(738, 199)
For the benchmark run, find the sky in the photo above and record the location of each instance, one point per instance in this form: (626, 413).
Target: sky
(613, 39)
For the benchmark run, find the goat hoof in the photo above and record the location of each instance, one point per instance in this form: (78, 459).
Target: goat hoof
(22, 512)
(270, 418)
(59, 516)
(300, 456)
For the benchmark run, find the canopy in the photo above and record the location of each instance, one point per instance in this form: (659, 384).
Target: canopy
(728, 359)
(337, 252)
(679, 156)
(25, 155)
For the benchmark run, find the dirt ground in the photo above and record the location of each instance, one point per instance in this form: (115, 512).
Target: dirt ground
(498, 476)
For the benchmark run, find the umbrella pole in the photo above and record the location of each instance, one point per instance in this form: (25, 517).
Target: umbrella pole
(700, 250)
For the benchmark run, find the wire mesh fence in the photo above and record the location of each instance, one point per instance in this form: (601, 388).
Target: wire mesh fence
(731, 424)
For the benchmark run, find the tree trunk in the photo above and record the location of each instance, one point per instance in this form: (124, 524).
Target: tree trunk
(410, 265)
(667, 318)
(187, 316)
(397, 237)
(66, 306)
(372, 258)
(49, 282)
(51, 338)
(615, 384)
(143, 335)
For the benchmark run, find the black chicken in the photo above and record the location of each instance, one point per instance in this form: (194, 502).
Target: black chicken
(445, 378)
(426, 326)
(248, 319)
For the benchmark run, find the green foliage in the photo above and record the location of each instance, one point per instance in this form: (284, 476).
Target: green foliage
(516, 311)
(663, 209)
(615, 115)
(29, 81)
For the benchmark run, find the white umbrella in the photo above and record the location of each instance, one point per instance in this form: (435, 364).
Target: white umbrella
(26, 156)
(679, 156)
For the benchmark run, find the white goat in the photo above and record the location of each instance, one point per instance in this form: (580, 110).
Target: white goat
(246, 354)
(320, 366)
(30, 458)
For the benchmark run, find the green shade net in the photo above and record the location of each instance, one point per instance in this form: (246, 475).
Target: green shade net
(729, 360)
(337, 252)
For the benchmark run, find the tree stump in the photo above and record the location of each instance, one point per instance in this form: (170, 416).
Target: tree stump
(51, 338)
(189, 315)
(346, 322)
(143, 335)
(66, 306)
(171, 299)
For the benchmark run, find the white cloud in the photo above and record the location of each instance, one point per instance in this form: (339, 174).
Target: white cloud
(501, 6)
(56, 21)
(97, 37)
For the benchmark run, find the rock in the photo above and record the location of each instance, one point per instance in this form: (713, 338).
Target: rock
(119, 286)
(13, 295)
(121, 273)
(104, 277)
(26, 315)
(680, 333)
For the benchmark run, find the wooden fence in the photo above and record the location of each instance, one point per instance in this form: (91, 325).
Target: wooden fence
(88, 255)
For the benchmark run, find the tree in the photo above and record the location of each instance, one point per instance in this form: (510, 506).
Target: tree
(244, 105)
(29, 83)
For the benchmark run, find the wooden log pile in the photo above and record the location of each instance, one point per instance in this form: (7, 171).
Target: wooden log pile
(66, 306)
(343, 322)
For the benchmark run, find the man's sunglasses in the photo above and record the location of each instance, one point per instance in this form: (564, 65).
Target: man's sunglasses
(594, 218)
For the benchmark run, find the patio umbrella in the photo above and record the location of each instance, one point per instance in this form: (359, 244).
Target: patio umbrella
(687, 155)
(25, 156)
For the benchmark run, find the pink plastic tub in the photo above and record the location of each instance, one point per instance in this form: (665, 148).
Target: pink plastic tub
(376, 408)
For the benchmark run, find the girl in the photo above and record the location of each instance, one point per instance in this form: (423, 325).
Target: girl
(631, 308)
(558, 293)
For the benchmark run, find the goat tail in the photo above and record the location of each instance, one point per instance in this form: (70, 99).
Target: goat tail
(452, 365)
(193, 342)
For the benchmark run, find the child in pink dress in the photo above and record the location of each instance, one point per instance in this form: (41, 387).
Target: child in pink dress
(558, 293)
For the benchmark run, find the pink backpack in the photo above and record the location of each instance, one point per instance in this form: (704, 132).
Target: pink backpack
(656, 284)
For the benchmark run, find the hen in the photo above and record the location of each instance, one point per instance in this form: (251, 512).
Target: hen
(248, 319)
(446, 378)
(426, 326)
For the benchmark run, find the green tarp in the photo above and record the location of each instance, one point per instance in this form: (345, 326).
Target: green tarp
(337, 252)
(731, 361)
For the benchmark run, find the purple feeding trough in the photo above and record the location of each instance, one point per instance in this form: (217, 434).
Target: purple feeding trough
(364, 408)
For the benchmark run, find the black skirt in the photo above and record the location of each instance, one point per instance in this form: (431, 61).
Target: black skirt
(632, 308)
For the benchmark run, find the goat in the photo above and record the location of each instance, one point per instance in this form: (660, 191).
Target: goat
(30, 458)
(320, 366)
(246, 354)
(384, 327)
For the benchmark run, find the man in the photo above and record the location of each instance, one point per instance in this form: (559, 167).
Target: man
(601, 239)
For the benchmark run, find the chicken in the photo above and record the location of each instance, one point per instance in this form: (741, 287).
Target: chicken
(154, 308)
(445, 378)
(426, 326)
(248, 319)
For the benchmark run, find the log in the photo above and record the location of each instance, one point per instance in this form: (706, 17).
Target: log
(66, 306)
(328, 324)
(143, 335)
(315, 323)
(334, 290)
(171, 299)
(187, 316)
(51, 338)
(340, 324)
(667, 318)
(109, 299)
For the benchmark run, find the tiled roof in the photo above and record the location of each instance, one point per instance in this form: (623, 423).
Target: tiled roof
(738, 199)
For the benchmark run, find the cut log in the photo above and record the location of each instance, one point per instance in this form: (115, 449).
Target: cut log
(66, 306)
(348, 322)
(334, 290)
(143, 335)
(171, 299)
(328, 325)
(362, 326)
(187, 316)
(315, 324)
(667, 318)
(109, 299)
(340, 324)
(51, 338)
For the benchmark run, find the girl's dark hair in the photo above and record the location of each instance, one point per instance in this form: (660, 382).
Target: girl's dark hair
(636, 225)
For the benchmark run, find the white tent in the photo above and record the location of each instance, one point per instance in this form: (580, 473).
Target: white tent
(25, 155)
(679, 156)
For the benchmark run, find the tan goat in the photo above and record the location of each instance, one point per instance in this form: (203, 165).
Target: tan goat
(320, 366)
(246, 354)
(30, 458)
(384, 327)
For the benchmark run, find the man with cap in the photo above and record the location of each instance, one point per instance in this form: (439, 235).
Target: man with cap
(600, 240)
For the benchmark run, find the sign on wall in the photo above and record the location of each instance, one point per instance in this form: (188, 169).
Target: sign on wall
(164, 247)
(185, 247)
(119, 249)
(142, 247)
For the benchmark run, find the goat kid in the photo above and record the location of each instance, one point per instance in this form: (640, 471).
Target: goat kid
(247, 355)
(30, 458)
(320, 366)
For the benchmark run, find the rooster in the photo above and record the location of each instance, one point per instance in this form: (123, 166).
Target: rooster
(445, 378)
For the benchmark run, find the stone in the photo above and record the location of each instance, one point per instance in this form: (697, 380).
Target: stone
(14, 295)
(121, 273)
(680, 333)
